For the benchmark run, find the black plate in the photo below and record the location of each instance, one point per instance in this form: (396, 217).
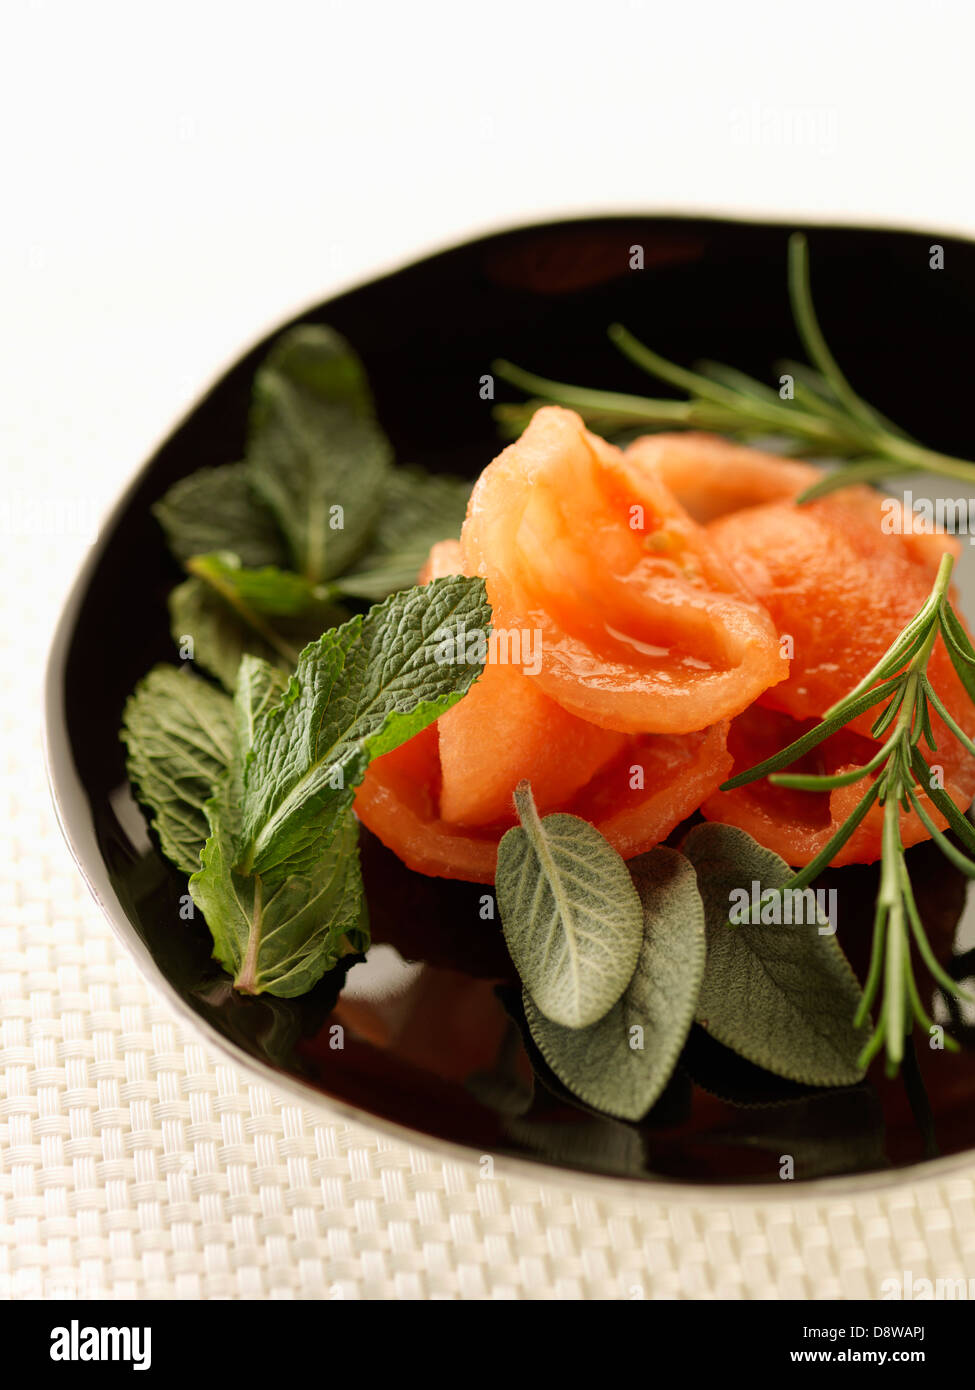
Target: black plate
(431, 1025)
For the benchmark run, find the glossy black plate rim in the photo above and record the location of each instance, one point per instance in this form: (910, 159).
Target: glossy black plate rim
(77, 826)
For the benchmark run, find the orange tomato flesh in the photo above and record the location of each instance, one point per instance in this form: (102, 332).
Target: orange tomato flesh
(796, 824)
(710, 476)
(399, 801)
(643, 626)
(504, 729)
(841, 589)
(841, 585)
(655, 635)
(443, 800)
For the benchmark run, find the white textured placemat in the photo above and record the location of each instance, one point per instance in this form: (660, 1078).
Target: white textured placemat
(136, 1161)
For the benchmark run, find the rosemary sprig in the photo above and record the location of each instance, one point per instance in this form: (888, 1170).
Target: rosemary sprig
(825, 417)
(898, 773)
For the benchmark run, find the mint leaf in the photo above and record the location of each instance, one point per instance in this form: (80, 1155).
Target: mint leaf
(622, 1063)
(222, 627)
(783, 996)
(361, 690)
(217, 509)
(420, 509)
(315, 453)
(571, 915)
(276, 933)
(255, 593)
(287, 914)
(281, 938)
(260, 686)
(178, 731)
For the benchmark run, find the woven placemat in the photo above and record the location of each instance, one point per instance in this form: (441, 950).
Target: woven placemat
(135, 1161)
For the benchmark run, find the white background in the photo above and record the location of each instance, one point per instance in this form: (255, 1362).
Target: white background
(177, 177)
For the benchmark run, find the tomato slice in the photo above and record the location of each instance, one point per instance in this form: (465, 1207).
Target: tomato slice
(711, 476)
(841, 577)
(505, 729)
(653, 784)
(643, 626)
(635, 800)
(797, 824)
(399, 801)
(444, 799)
(842, 589)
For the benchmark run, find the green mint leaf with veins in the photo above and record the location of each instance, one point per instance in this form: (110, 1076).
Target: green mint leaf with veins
(222, 609)
(316, 454)
(283, 917)
(217, 509)
(621, 1064)
(281, 938)
(179, 733)
(276, 933)
(361, 690)
(571, 915)
(266, 592)
(420, 509)
(260, 686)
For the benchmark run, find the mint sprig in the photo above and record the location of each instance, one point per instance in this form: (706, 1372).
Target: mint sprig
(279, 882)
(218, 509)
(276, 933)
(314, 515)
(316, 455)
(253, 797)
(223, 625)
(360, 691)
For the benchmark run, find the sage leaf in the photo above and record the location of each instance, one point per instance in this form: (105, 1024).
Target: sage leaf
(571, 915)
(782, 996)
(178, 732)
(621, 1064)
(419, 510)
(361, 690)
(315, 452)
(217, 509)
(221, 629)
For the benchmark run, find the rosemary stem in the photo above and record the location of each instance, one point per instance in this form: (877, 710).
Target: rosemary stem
(916, 456)
(890, 896)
